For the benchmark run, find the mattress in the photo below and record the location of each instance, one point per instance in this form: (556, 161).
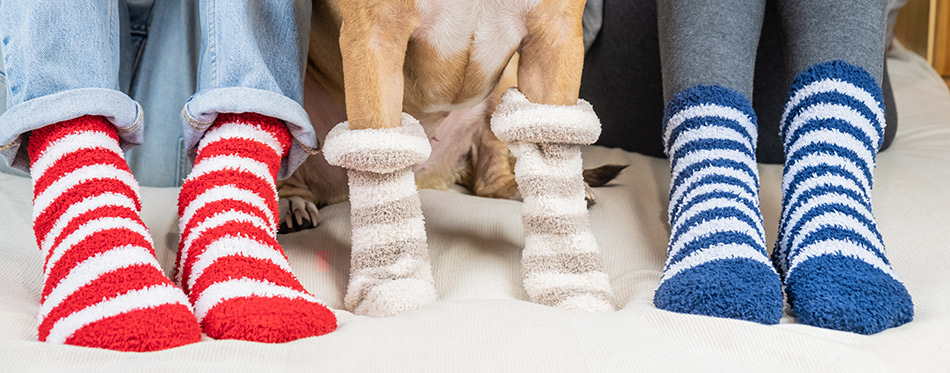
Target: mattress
(483, 320)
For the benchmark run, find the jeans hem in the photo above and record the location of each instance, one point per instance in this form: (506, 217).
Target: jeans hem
(201, 110)
(117, 107)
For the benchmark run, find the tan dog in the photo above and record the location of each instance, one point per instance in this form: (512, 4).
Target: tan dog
(464, 152)
(446, 64)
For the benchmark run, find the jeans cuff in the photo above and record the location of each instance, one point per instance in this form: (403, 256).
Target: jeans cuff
(115, 106)
(201, 110)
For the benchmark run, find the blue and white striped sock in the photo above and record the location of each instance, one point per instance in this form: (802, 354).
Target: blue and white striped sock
(716, 264)
(829, 249)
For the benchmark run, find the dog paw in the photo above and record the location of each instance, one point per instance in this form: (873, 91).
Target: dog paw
(392, 297)
(596, 177)
(589, 196)
(570, 290)
(586, 303)
(297, 214)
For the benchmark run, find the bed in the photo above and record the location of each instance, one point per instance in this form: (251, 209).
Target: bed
(483, 320)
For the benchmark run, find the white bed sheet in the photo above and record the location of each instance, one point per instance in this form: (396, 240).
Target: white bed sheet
(483, 321)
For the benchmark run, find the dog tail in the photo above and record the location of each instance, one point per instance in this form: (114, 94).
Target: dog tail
(602, 175)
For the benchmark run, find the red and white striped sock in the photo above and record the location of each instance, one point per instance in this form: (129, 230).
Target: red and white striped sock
(102, 285)
(229, 261)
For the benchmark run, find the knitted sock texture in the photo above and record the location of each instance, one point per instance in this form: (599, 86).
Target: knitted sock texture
(829, 249)
(102, 284)
(389, 265)
(561, 261)
(229, 262)
(716, 264)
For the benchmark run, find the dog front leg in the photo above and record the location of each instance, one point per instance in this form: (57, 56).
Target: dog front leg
(390, 271)
(544, 123)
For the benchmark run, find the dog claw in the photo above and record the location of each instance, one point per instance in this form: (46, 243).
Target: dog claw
(589, 195)
(596, 177)
(297, 214)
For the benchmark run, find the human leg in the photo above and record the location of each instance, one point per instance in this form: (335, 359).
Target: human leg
(829, 248)
(247, 127)
(716, 264)
(103, 286)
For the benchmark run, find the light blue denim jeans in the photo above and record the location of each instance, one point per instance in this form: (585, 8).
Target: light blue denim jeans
(65, 59)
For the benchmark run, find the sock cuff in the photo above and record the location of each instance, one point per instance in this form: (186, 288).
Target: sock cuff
(518, 120)
(714, 105)
(275, 127)
(836, 84)
(840, 71)
(381, 151)
(707, 94)
(40, 139)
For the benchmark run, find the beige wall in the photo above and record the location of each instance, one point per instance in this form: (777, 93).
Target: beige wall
(923, 26)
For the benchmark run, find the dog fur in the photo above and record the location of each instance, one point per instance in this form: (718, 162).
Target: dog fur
(446, 63)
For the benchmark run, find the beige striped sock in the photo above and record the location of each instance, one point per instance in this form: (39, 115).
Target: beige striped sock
(390, 271)
(561, 262)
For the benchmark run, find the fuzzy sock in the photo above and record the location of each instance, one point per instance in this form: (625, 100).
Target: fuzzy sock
(829, 249)
(229, 261)
(102, 285)
(389, 267)
(561, 261)
(716, 264)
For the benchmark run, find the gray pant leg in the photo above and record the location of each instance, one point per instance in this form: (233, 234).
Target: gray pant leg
(849, 30)
(708, 42)
(593, 20)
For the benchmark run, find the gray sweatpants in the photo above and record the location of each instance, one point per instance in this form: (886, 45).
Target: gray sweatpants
(715, 41)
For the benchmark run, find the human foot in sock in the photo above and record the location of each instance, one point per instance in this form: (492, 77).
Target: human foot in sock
(102, 285)
(717, 264)
(229, 261)
(829, 249)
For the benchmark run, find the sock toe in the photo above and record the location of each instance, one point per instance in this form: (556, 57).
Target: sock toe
(155, 328)
(844, 293)
(736, 289)
(396, 296)
(268, 320)
(586, 302)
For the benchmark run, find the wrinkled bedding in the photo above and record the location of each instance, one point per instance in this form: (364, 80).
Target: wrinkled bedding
(483, 320)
